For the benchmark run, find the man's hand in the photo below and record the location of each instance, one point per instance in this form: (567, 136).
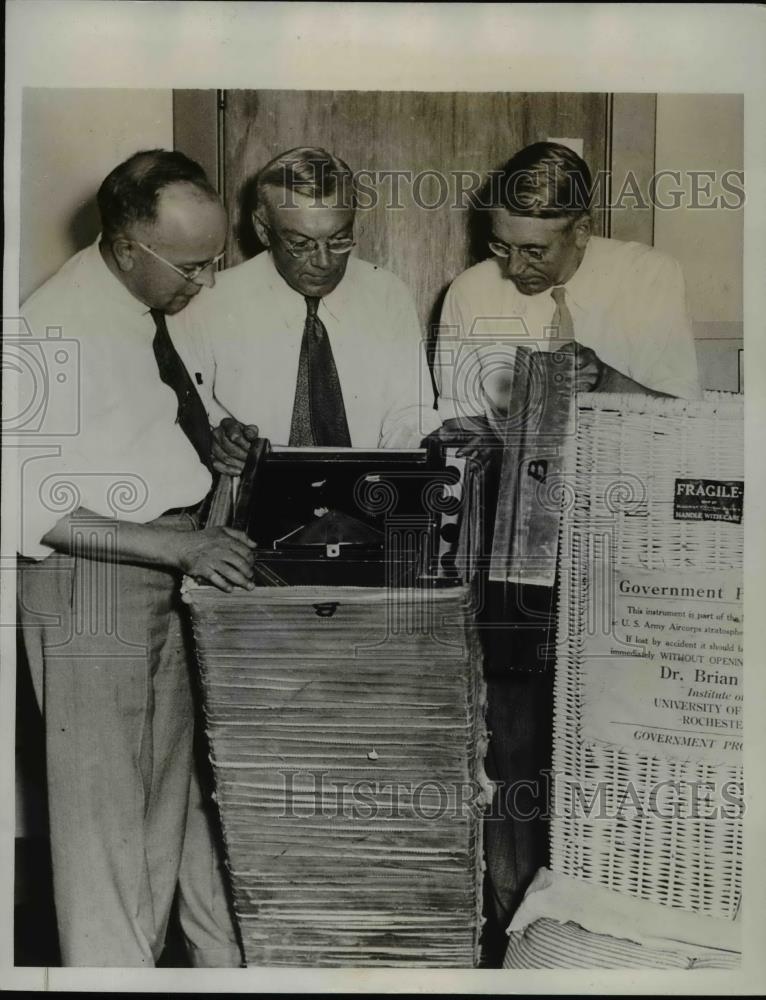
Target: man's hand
(472, 436)
(586, 369)
(231, 444)
(221, 556)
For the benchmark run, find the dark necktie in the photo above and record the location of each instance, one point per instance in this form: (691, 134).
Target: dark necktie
(192, 417)
(319, 416)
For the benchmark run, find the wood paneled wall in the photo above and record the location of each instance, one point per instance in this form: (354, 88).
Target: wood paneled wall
(394, 131)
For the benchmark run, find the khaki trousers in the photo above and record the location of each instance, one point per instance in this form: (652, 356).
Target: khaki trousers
(110, 666)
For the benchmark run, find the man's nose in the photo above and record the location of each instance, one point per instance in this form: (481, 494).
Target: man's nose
(515, 264)
(321, 256)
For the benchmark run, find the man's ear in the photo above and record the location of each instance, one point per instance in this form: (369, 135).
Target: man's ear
(583, 230)
(123, 251)
(261, 229)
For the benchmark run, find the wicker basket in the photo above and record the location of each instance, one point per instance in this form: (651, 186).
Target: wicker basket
(625, 457)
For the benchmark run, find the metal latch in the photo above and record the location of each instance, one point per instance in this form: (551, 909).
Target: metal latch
(326, 610)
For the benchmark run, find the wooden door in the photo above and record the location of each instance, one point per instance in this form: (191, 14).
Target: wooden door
(423, 133)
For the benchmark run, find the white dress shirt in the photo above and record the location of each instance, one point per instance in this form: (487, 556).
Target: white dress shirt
(242, 339)
(117, 450)
(627, 301)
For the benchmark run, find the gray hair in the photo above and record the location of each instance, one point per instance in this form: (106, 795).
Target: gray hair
(307, 171)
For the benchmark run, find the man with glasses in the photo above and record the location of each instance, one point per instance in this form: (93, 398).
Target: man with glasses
(191, 273)
(107, 532)
(307, 344)
(619, 310)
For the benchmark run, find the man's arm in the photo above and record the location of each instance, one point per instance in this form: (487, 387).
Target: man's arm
(410, 414)
(451, 362)
(591, 374)
(221, 556)
(654, 342)
(611, 380)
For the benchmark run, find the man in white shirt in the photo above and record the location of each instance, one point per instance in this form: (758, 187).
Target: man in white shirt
(107, 530)
(619, 309)
(307, 345)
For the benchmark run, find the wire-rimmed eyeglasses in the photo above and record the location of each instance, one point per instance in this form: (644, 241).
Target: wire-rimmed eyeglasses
(306, 246)
(187, 273)
(532, 255)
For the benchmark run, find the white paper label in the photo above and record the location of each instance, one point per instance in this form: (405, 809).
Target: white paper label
(667, 681)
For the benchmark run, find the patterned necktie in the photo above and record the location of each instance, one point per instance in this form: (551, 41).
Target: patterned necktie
(319, 416)
(192, 417)
(562, 317)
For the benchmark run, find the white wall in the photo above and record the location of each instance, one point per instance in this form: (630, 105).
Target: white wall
(705, 132)
(71, 139)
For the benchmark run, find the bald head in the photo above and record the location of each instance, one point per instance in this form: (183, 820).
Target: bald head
(153, 256)
(131, 191)
(184, 215)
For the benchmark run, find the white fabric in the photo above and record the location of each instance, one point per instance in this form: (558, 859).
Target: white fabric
(603, 911)
(548, 944)
(628, 303)
(126, 415)
(243, 338)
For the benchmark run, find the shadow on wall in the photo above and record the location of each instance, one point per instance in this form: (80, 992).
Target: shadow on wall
(480, 221)
(42, 256)
(244, 231)
(84, 225)
(479, 227)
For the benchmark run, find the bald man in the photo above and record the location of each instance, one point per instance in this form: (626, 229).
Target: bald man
(98, 579)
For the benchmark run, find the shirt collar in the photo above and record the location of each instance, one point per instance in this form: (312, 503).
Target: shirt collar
(277, 282)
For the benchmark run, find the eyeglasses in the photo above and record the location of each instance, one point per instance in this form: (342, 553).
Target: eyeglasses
(306, 246)
(188, 273)
(531, 255)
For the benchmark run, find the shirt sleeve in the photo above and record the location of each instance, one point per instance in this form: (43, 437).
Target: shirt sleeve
(411, 414)
(458, 362)
(107, 442)
(663, 355)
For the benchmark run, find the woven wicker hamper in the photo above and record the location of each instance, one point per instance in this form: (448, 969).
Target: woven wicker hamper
(631, 462)
(346, 733)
